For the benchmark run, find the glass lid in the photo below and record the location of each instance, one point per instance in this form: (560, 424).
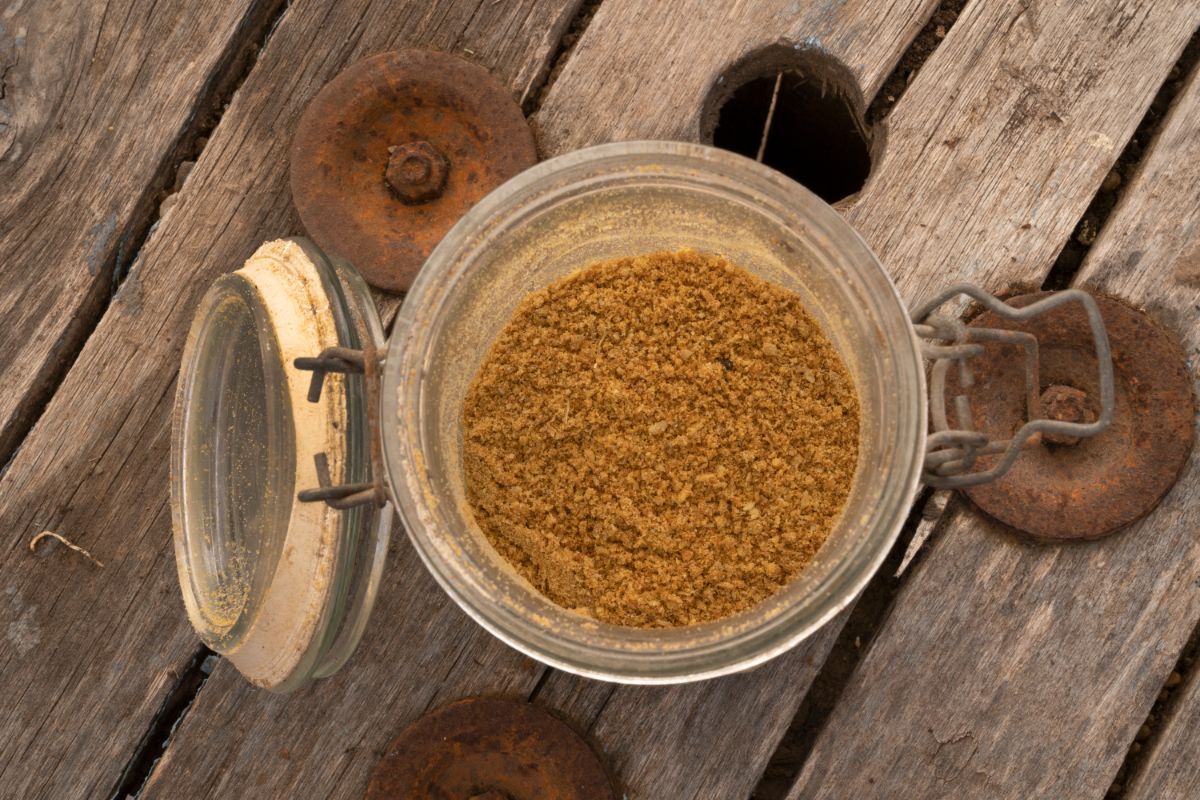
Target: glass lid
(280, 587)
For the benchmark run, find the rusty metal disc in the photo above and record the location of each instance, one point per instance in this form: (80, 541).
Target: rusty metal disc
(394, 150)
(1066, 490)
(490, 749)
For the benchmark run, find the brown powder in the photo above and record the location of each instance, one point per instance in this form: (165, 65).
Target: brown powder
(661, 440)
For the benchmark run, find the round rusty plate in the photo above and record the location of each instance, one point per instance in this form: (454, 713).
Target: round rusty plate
(490, 749)
(394, 150)
(1065, 490)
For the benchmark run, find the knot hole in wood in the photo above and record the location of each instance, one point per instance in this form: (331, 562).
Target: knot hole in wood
(799, 110)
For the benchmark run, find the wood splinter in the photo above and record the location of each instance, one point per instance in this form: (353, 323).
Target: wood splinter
(51, 534)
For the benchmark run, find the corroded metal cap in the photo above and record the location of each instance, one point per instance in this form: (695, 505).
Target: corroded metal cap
(391, 153)
(490, 749)
(1084, 489)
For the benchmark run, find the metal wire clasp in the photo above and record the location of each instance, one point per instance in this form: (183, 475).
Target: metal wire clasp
(344, 360)
(951, 452)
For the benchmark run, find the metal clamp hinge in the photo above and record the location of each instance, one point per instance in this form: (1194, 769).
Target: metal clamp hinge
(347, 361)
(951, 452)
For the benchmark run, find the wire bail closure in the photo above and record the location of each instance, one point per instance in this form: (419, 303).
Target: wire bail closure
(951, 452)
(347, 361)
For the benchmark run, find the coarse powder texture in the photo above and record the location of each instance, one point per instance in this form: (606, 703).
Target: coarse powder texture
(660, 441)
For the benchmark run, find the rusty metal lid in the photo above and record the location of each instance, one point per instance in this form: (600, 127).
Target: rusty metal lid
(395, 149)
(1064, 490)
(490, 749)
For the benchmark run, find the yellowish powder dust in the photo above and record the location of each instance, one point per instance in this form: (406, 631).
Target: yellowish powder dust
(660, 441)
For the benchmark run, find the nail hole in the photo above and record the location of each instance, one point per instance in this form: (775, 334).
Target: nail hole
(799, 111)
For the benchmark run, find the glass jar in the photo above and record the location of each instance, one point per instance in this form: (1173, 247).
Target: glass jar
(618, 200)
(283, 588)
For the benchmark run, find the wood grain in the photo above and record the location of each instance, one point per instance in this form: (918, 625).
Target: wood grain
(1172, 769)
(418, 653)
(992, 155)
(90, 652)
(96, 101)
(1012, 670)
(697, 740)
(1006, 134)
(643, 70)
(1149, 253)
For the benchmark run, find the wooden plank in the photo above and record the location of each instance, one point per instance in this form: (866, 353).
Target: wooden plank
(1172, 769)
(967, 165)
(1007, 133)
(96, 101)
(696, 740)
(1008, 669)
(643, 70)
(1149, 253)
(90, 652)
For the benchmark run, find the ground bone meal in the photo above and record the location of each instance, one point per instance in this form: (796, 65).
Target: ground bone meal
(661, 440)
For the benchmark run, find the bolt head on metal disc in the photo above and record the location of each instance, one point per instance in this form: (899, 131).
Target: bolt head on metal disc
(490, 749)
(347, 183)
(1084, 490)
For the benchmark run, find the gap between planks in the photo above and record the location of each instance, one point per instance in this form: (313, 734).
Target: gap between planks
(1164, 748)
(1091, 225)
(107, 261)
(157, 738)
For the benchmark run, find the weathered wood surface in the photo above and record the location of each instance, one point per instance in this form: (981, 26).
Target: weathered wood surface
(711, 739)
(1009, 669)
(419, 652)
(89, 652)
(964, 168)
(1006, 134)
(699, 740)
(643, 70)
(96, 98)
(1014, 121)
(1149, 253)
(1172, 769)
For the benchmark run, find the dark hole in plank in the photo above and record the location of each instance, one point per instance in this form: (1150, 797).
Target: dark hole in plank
(813, 137)
(174, 708)
(798, 111)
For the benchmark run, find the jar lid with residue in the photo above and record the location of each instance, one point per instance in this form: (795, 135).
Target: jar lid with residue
(280, 587)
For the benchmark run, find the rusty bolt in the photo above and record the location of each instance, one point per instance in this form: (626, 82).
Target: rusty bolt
(416, 172)
(1065, 404)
